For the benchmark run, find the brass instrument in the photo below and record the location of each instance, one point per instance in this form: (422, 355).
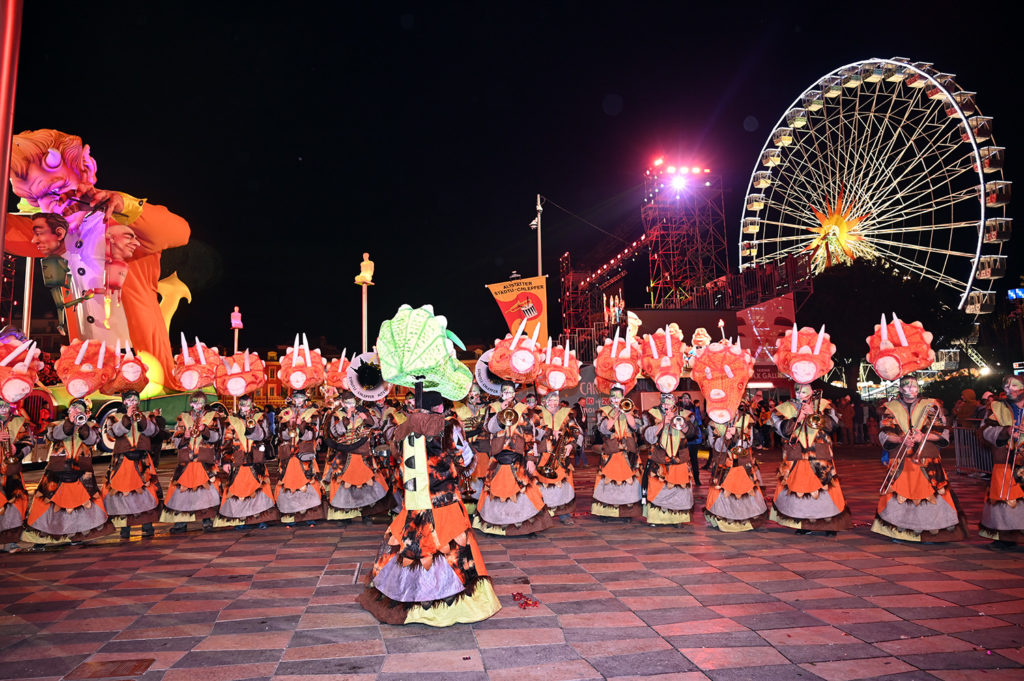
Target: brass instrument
(138, 416)
(908, 446)
(815, 420)
(508, 417)
(250, 422)
(570, 431)
(626, 405)
(679, 422)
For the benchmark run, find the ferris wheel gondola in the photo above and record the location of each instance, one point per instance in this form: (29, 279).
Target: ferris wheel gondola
(884, 160)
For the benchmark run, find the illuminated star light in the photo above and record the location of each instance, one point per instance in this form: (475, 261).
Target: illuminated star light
(839, 239)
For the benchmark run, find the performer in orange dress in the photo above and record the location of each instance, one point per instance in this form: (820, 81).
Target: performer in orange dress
(917, 504)
(429, 569)
(15, 445)
(248, 497)
(556, 431)
(1002, 518)
(132, 492)
(668, 479)
(67, 505)
(511, 502)
(355, 488)
(195, 490)
(808, 497)
(299, 492)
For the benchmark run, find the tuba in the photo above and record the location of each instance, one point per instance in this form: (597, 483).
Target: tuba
(570, 431)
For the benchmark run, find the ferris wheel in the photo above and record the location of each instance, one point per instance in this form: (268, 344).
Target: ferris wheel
(890, 161)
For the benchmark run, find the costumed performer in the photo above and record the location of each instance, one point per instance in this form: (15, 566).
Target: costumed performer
(67, 505)
(429, 568)
(194, 491)
(668, 479)
(248, 496)
(556, 433)
(735, 502)
(808, 497)
(1002, 517)
(15, 445)
(132, 493)
(511, 502)
(355, 488)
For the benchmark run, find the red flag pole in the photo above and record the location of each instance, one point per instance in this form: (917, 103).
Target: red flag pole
(11, 43)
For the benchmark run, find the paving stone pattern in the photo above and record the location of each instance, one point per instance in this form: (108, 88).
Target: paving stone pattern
(616, 601)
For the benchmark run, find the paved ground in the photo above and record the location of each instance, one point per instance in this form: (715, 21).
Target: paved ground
(615, 601)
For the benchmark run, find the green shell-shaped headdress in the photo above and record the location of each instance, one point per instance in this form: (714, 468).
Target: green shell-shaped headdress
(415, 345)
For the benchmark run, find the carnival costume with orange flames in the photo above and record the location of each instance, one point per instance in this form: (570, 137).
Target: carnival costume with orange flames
(735, 501)
(917, 503)
(429, 568)
(808, 497)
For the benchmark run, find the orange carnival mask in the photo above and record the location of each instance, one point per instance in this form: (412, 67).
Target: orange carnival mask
(722, 370)
(19, 368)
(241, 374)
(804, 355)
(130, 375)
(664, 356)
(517, 358)
(85, 366)
(195, 369)
(302, 368)
(560, 370)
(617, 361)
(336, 372)
(910, 352)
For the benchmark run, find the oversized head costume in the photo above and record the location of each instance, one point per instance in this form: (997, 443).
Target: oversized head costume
(897, 349)
(722, 371)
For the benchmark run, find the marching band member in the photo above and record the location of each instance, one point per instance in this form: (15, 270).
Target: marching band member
(668, 479)
(299, 493)
(132, 493)
(555, 437)
(194, 491)
(355, 486)
(617, 488)
(67, 505)
(808, 497)
(248, 496)
(15, 445)
(473, 414)
(1002, 517)
(511, 502)
(917, 502)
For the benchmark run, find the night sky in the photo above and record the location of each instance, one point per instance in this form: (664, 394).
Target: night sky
(293, 137)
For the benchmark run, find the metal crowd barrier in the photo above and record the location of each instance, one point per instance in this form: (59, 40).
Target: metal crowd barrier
(973, 455)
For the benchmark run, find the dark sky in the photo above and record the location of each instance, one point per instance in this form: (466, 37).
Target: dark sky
(293, 137)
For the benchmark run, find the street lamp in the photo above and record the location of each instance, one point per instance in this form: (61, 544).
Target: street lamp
(535, 224)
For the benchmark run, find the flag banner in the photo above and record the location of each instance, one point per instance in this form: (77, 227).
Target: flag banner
(521, 299)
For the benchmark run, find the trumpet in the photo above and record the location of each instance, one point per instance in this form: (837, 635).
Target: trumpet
(138, 416)
(508, 417)
(626, 405)
(81, 419)
(815, 420)
(250, 422)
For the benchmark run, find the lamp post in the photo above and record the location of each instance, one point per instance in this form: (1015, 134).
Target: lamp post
(535, 224)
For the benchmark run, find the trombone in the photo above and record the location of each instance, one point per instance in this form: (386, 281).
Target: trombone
(815, 420)
(907, 446)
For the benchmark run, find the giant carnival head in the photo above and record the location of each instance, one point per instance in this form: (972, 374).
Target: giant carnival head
(49, 168)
